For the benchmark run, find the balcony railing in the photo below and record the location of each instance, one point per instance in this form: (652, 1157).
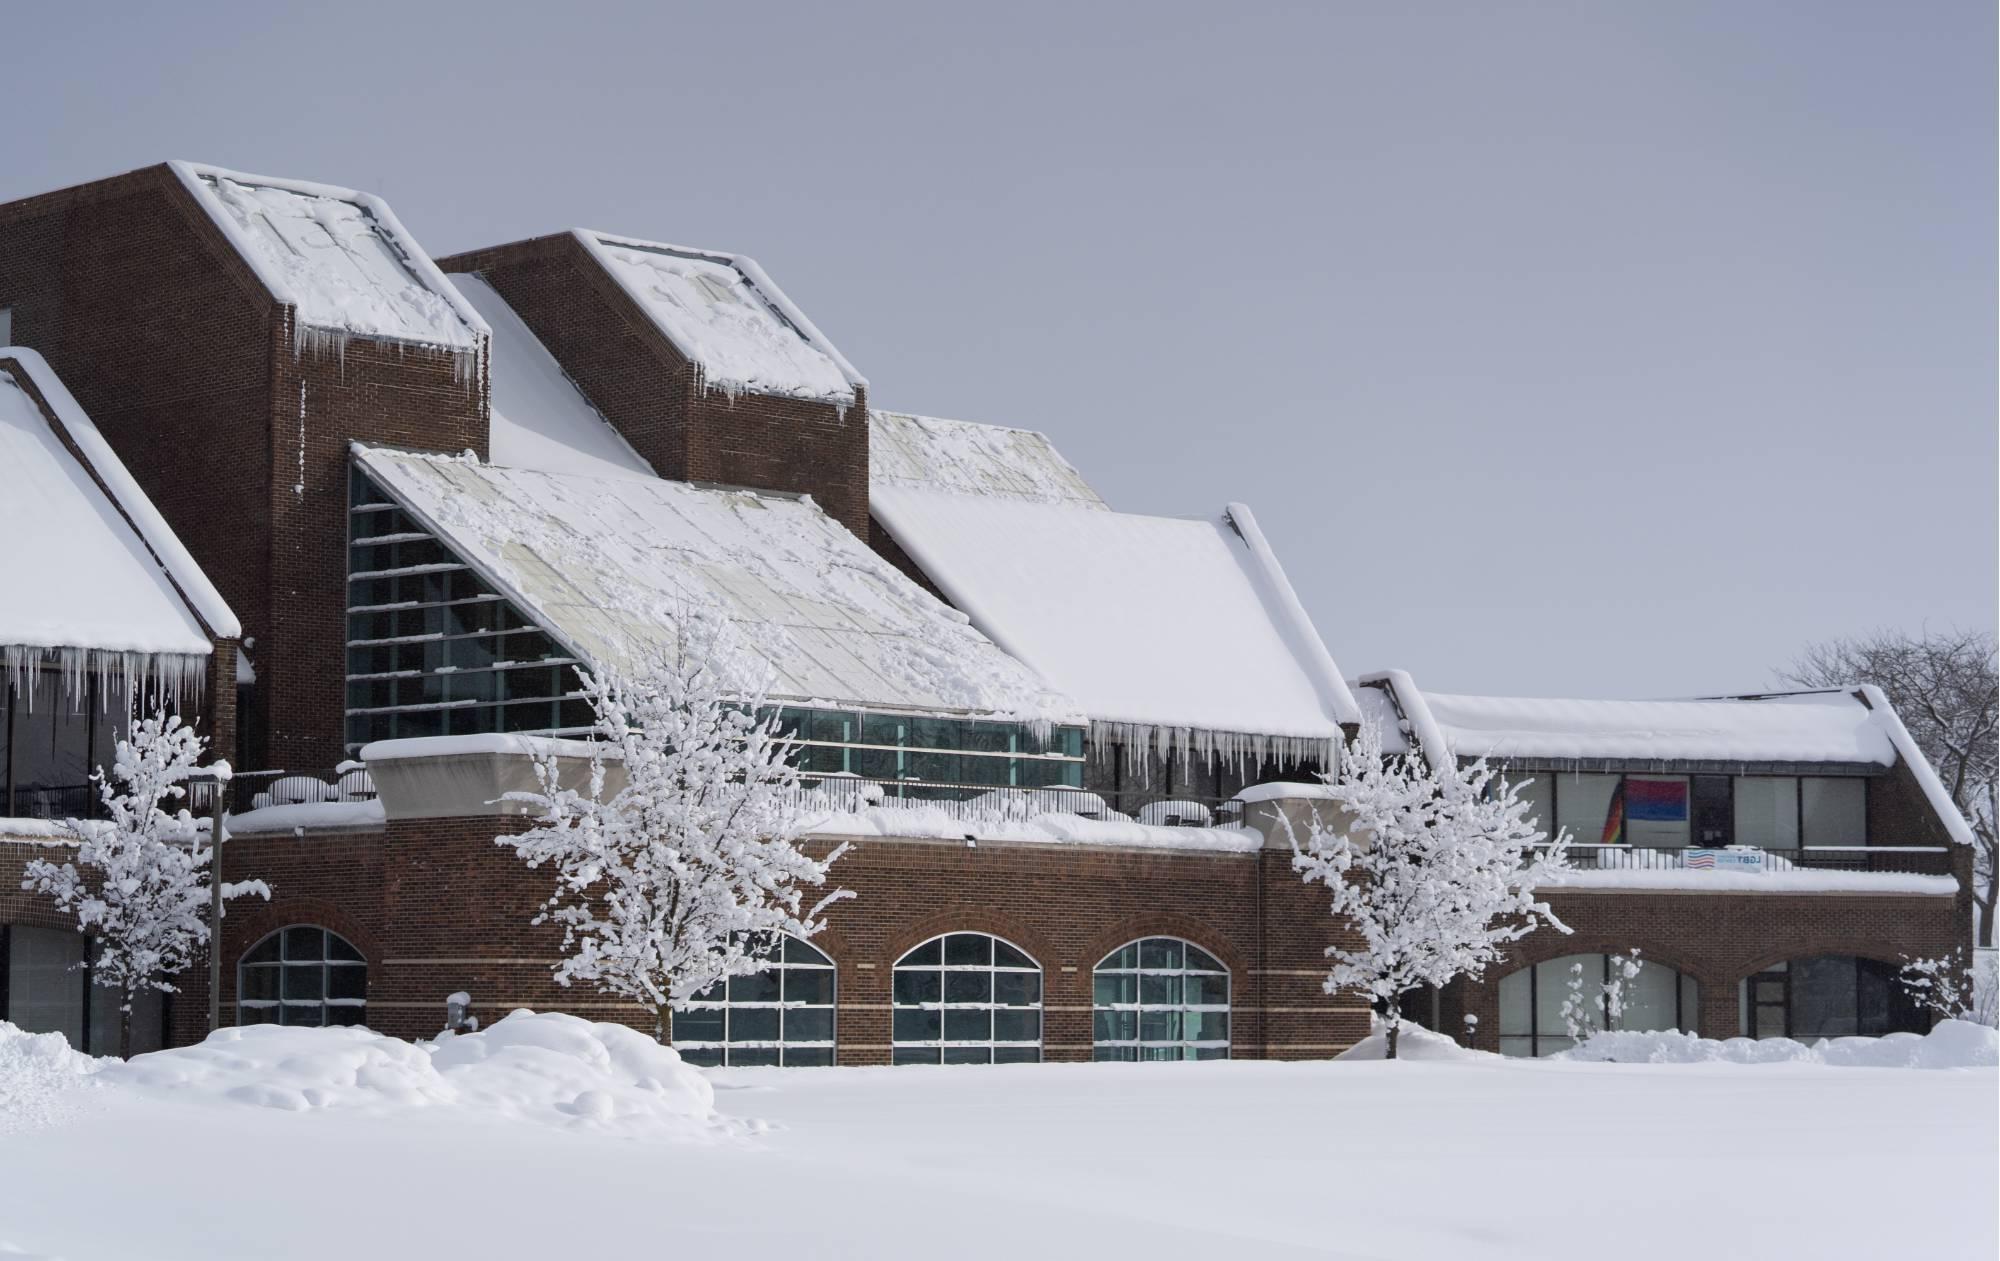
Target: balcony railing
(1905, 859)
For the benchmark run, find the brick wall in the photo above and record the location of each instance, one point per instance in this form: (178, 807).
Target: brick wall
(647, 388)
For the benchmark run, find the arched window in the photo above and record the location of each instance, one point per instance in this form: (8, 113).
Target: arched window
(302, 975)
(781, 1015)
(1532, 1000)
(1160, 998)
(967, 998)
(1830, 996)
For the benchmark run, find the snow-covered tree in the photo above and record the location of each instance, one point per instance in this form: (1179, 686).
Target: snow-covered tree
(1435, 870)
(1955, 991)
(139, 882)
(1584, 1015)
(1945, 686)
(680, 877)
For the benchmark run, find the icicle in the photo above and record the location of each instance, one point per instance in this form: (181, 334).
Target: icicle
(1143, 744)
(170, 673)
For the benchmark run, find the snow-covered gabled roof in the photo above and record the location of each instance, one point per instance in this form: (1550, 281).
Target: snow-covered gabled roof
(539, 419)
(961, 457)
(726, 316)
(1181, 634)
(339, 257)
(95, 580)
(1788, 727)
(603, 562)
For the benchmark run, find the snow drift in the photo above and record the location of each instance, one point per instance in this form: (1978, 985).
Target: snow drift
(544, 1068)
(1950, 1044)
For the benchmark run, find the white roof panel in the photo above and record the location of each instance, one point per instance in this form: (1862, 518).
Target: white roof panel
(929, 453)
(605, 561)
(540, 420)
(76, 572)
(1158, 622)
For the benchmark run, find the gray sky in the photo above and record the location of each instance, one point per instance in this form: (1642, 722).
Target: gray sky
(1594, 349)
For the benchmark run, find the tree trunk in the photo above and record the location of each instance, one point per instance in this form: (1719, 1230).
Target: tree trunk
(663, 1025)
(1395, 1028)
(125, 1024)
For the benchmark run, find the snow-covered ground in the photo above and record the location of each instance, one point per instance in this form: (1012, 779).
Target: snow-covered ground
(555, 1138)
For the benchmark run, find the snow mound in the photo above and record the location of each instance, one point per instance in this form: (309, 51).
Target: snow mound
(37, 1070)
(1414, 1043)
(1951, 1044)
(546, 1068)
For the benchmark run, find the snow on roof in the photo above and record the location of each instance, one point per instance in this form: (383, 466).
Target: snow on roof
(540, 420)
(339, 257)
(1800, 727)
(602, 562)
(89, 577)
(1178, 630)
(725, 315)
(929, 453)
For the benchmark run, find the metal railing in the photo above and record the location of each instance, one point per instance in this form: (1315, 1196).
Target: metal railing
(986, 803)
(1904, 859)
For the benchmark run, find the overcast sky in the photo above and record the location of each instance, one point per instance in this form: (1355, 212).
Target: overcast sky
(1599, 349)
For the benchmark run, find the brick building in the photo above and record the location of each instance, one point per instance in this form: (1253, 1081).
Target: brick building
(432, 491)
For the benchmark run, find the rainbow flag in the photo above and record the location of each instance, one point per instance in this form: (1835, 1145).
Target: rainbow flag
(1614, 819)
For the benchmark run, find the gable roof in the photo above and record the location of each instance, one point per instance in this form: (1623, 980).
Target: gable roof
(95, 578)
(539, 419)
(930, 453)
(601, 562)
(340, 258)
(727, 318)
(1181, 635)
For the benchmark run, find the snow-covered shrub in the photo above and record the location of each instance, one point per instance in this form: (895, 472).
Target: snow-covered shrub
(1436, 871)
(139, 884)
(1954, 991)
(680, 878)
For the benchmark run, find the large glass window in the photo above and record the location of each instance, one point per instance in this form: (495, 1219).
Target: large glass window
(1532, 1000)
(302, 975)
(1767, 811)
(45, 981)
(1160, 998)
(53, 735)
(432, 648)
(1583, 806)
(782, 1015)
(966, 998)
(1833, 811)
(1829, 996)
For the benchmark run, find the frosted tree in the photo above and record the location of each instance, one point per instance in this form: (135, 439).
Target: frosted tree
(1954, 991)
(1434, 871)
(138, 884)
(1945, 686)
(1604, 1005)
(679, 878)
